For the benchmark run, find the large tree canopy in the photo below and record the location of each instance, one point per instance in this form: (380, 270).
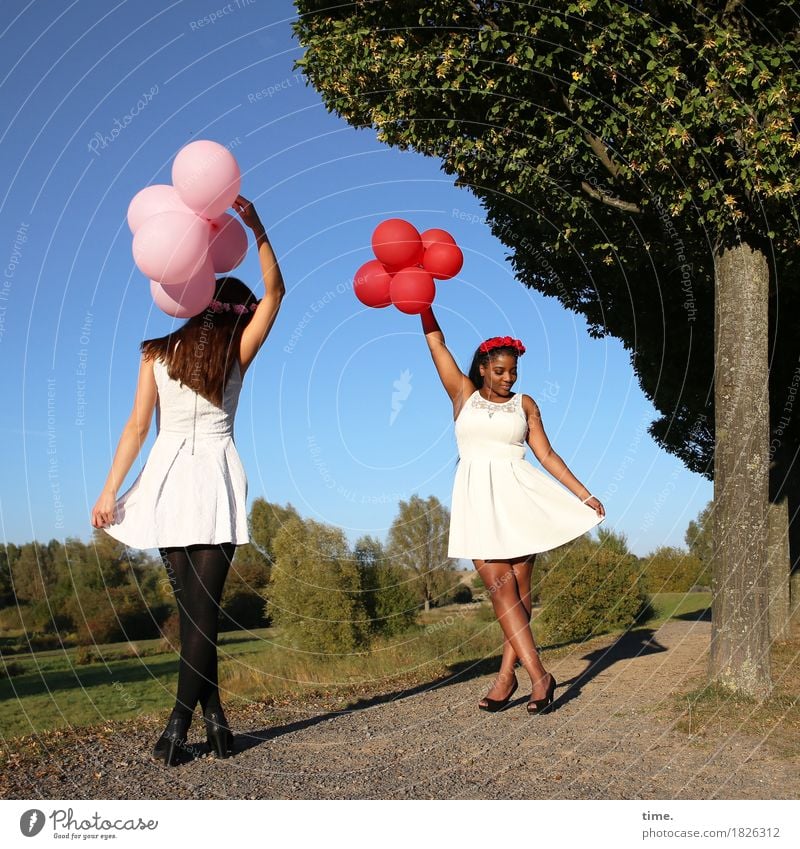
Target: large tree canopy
(615, 147)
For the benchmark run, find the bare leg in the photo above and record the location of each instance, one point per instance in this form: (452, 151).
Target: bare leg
(522, 567)
(500, 580)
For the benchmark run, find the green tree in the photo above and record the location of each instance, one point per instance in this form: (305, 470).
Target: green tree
(699, 540)
(266, 519)
(314, 590)
(6, 590)
(671, 570)
(641, 163)
(389, 598)
(418, 544)
(33, 573)
(245, 589)
(616, 541)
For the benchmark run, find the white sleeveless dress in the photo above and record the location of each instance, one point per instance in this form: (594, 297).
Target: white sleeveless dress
(502, 506)
(193, 487)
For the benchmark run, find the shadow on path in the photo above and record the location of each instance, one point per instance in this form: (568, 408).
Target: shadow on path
(629, 645)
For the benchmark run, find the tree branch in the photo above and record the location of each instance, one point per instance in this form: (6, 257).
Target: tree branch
(609, 200)
(601, 151)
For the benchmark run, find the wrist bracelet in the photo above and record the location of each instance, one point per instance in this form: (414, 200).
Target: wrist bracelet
(584, 500)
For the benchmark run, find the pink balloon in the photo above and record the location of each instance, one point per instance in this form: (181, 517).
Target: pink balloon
(371, 284)
(152, 200)
(207, 177)
(412, 290)
(227, 242)
(396, 243)
(171, 247)
(435, 235)
(443, 260)
(183, 300)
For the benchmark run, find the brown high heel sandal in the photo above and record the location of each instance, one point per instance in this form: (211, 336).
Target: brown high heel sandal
(540, 705)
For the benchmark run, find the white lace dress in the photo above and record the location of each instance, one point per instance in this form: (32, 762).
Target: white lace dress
(193, 487)
(502, 506)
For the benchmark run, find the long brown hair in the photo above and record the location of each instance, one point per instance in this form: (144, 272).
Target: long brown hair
(209, 347)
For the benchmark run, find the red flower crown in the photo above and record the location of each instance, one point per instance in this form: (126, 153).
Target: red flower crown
(502, 342)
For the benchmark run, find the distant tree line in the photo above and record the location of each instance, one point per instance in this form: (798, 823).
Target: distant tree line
(302, 576)
(296, 573)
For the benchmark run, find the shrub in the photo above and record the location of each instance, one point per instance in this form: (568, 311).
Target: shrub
(592, 590)
(9, 669)
(395, 600)
(314, 594)
(112, 615)
(84, 656)
(670, 569)
(170, 631)
(459, 594)
(242, 608)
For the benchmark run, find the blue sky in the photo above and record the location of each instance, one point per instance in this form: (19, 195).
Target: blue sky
(95, 109)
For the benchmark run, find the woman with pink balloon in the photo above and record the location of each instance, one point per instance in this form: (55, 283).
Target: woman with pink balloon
(189, 500)
(503, 510)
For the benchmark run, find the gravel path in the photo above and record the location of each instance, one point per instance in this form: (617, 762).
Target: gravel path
(608, 735)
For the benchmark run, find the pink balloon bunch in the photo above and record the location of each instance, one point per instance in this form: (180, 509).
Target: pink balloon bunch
(182, 235)
(406, 265)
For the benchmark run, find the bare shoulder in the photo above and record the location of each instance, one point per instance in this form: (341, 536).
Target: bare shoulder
(147, 361)
(530, 406)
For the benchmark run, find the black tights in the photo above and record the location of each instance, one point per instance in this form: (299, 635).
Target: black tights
(197, 574)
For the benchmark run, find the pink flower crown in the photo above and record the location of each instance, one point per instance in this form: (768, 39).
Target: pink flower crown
(239, 309)
(502, 342)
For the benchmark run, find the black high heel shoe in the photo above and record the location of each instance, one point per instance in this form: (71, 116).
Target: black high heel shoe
(494, 705)
(219, 736)
(173, 740)
(539, 705)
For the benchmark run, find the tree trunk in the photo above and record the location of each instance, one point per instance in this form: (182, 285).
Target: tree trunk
(739, 654)
(778, 550)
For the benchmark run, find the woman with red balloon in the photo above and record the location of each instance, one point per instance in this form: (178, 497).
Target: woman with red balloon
(189, 500)
(504, 511)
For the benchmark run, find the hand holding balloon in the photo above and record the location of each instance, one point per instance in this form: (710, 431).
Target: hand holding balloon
(247, 212)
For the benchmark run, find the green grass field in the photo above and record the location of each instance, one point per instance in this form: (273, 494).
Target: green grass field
(51, 689)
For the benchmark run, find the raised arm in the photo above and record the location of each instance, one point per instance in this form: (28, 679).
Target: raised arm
(130, 443)
(457, 385)
(259, 326)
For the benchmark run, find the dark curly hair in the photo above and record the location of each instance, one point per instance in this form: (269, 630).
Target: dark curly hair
(210, 343)
(482, 358)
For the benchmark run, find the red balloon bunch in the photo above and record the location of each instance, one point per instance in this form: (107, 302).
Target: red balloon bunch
(406, 265)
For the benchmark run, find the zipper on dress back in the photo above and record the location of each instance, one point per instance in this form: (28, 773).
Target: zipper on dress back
(194, 420)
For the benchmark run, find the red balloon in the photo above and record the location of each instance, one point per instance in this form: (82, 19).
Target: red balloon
(436, 235)
(393, 269)
(412, 290)
(443, 260)
(396, 243)
(371, 284)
